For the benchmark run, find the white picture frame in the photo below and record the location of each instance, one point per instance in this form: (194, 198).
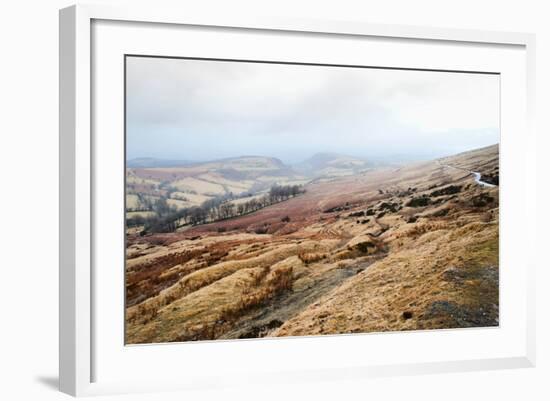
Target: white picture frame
(78, 161)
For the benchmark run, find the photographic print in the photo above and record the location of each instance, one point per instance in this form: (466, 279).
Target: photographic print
(267, 199)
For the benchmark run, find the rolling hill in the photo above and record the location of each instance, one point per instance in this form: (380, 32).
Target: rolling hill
(332, 165)
(194, 183)
(186, 183)
(407, 248)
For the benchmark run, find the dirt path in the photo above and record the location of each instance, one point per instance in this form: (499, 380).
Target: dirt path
(260, 322)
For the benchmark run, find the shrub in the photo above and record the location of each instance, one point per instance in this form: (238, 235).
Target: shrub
(391, 206)
(357, 214)
(364, 246)
(419, 202)
(450, 190)
(482, 200)
(490, 178)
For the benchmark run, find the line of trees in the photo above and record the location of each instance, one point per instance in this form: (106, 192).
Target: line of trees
(167, 218)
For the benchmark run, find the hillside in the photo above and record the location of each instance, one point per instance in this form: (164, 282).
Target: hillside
(332, 165)
(185, 184)
(192, 184)
(404, 248)
(148, 162)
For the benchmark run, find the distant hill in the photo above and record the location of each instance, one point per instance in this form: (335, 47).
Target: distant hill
(249, 164)
(144, 162)
(332, 165)
(192, 183)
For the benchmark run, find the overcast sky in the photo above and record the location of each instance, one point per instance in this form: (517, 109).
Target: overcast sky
(205, 110)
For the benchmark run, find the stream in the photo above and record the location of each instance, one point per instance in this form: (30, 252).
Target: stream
(477, 176)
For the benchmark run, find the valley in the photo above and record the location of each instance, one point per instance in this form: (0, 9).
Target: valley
(332, 245)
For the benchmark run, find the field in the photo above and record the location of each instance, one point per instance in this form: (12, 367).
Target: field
(358, 248)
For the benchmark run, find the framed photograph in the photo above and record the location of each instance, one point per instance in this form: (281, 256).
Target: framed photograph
(278, 200)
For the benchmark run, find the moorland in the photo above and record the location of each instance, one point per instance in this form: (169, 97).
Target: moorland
(250, 247)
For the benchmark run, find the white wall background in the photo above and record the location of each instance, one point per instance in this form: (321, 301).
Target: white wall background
(29, 200)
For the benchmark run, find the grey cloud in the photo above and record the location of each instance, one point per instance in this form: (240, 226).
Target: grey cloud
(193, 109)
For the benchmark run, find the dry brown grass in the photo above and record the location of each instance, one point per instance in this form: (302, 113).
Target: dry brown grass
(278, 281)
(206, 276)
(211, 310)
(436, 270)
(148, 279)
(409, 280)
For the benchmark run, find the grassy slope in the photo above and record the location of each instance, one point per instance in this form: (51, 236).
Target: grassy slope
(439, 271)
(445, 278)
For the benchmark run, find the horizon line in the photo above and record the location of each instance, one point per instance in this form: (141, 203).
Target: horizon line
(177, 159)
